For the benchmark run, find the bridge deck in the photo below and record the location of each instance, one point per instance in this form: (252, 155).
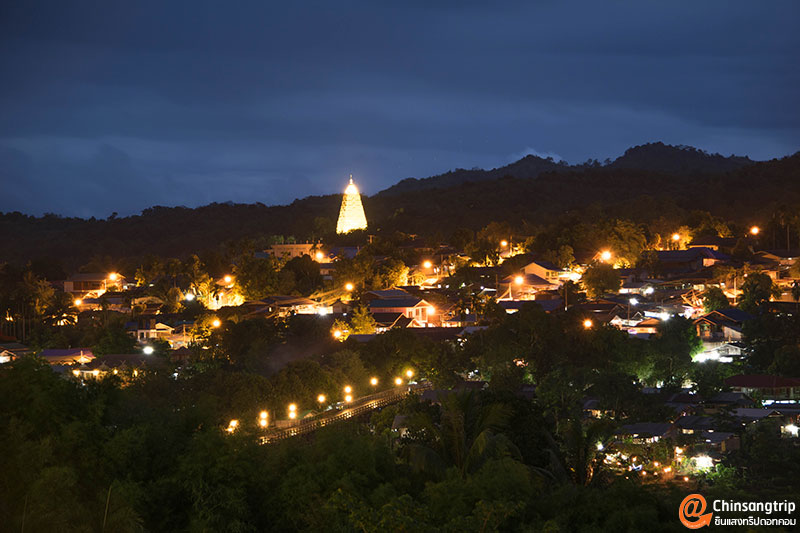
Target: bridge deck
(358, 407)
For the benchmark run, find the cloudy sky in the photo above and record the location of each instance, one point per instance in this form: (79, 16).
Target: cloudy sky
(119, 105)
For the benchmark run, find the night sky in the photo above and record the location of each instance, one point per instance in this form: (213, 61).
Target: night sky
(116, 106)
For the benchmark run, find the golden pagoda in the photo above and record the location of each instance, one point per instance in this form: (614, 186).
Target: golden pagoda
(351, 215)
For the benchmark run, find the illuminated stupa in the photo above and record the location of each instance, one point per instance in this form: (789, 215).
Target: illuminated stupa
(351, 215)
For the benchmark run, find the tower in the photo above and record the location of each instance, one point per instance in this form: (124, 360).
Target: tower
(351, 215)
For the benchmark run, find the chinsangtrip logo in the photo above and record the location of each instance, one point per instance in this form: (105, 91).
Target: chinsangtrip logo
(693, 515)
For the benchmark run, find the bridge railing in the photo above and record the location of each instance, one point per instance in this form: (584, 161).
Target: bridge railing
(357, 408)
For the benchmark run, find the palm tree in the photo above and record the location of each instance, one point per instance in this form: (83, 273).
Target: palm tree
(466, 437)
(580, 456)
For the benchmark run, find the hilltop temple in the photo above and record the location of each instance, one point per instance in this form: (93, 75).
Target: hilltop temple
(351, 215)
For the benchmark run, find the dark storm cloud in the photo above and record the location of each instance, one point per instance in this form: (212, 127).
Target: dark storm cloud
(115, 106)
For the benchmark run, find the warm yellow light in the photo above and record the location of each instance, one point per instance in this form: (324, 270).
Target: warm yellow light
(754, 230)
(398, 381)
(263, 422)
(587, 323)
(519, 280)
(655, 464)
(115, 371)
(349, 287)
(667, 469)
(676, 237)
(77, 302)
(336, 334)
(320, 256)
(262, 415)
(227, 279)
(373, 381)
(76, 373)
(113, 276)
(216, 323)
(427, 264)
(678, 450)
(504, 243)
(293, 407)
(348, 398)
(686, 478)
(605, 255)
(135, 373)
(95, 373)
(292, 415)
(348, 389)
(409, 373)
(321, 398)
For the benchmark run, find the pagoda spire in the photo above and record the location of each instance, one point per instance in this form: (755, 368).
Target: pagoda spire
(351, 214)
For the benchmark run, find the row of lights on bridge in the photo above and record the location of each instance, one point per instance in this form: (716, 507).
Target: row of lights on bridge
(263, 417)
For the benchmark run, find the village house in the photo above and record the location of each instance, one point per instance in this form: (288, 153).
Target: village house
(766, 387)
(721, 325)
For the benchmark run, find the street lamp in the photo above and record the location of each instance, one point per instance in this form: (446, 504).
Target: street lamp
(232, 425)
(320, 256)
(148, 350)
(349, 287)
(216, 323)
(113, 276)
(77, 302)
(755, 230)
(348, 398)
(587, 324)
(321, 398)
(676, 237)
(348, 389)
(605, 255)
(189, 296)
(263, 419)
(409, 373)
(519, 280)
(503, 243)
(398, 381)
(337, 333)
(427, 264)
(292, 411)
(227, 278)
(373, 381)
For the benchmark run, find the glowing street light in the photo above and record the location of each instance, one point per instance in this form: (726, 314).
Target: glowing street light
(227, 278)
(263, 419)
(77, 302)
(587, 324)
(319, 256)
(427, 264)
(113, 276)
(633, 301)
(321, 398)
(148, 350)
(232, 425)
(216, 323)
(373, 381)
(409, 373)
(189, 296)
(755, 230)
(348, 398)
(503, 243)
(348, 389)
(676, 237)
(76, 373)
(349, 287)
(398, 381)
(292, 411)
(519, 280)
(605, 255)
(337, 333)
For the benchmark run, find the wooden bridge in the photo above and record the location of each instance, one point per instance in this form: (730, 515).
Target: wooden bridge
(358, 407)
